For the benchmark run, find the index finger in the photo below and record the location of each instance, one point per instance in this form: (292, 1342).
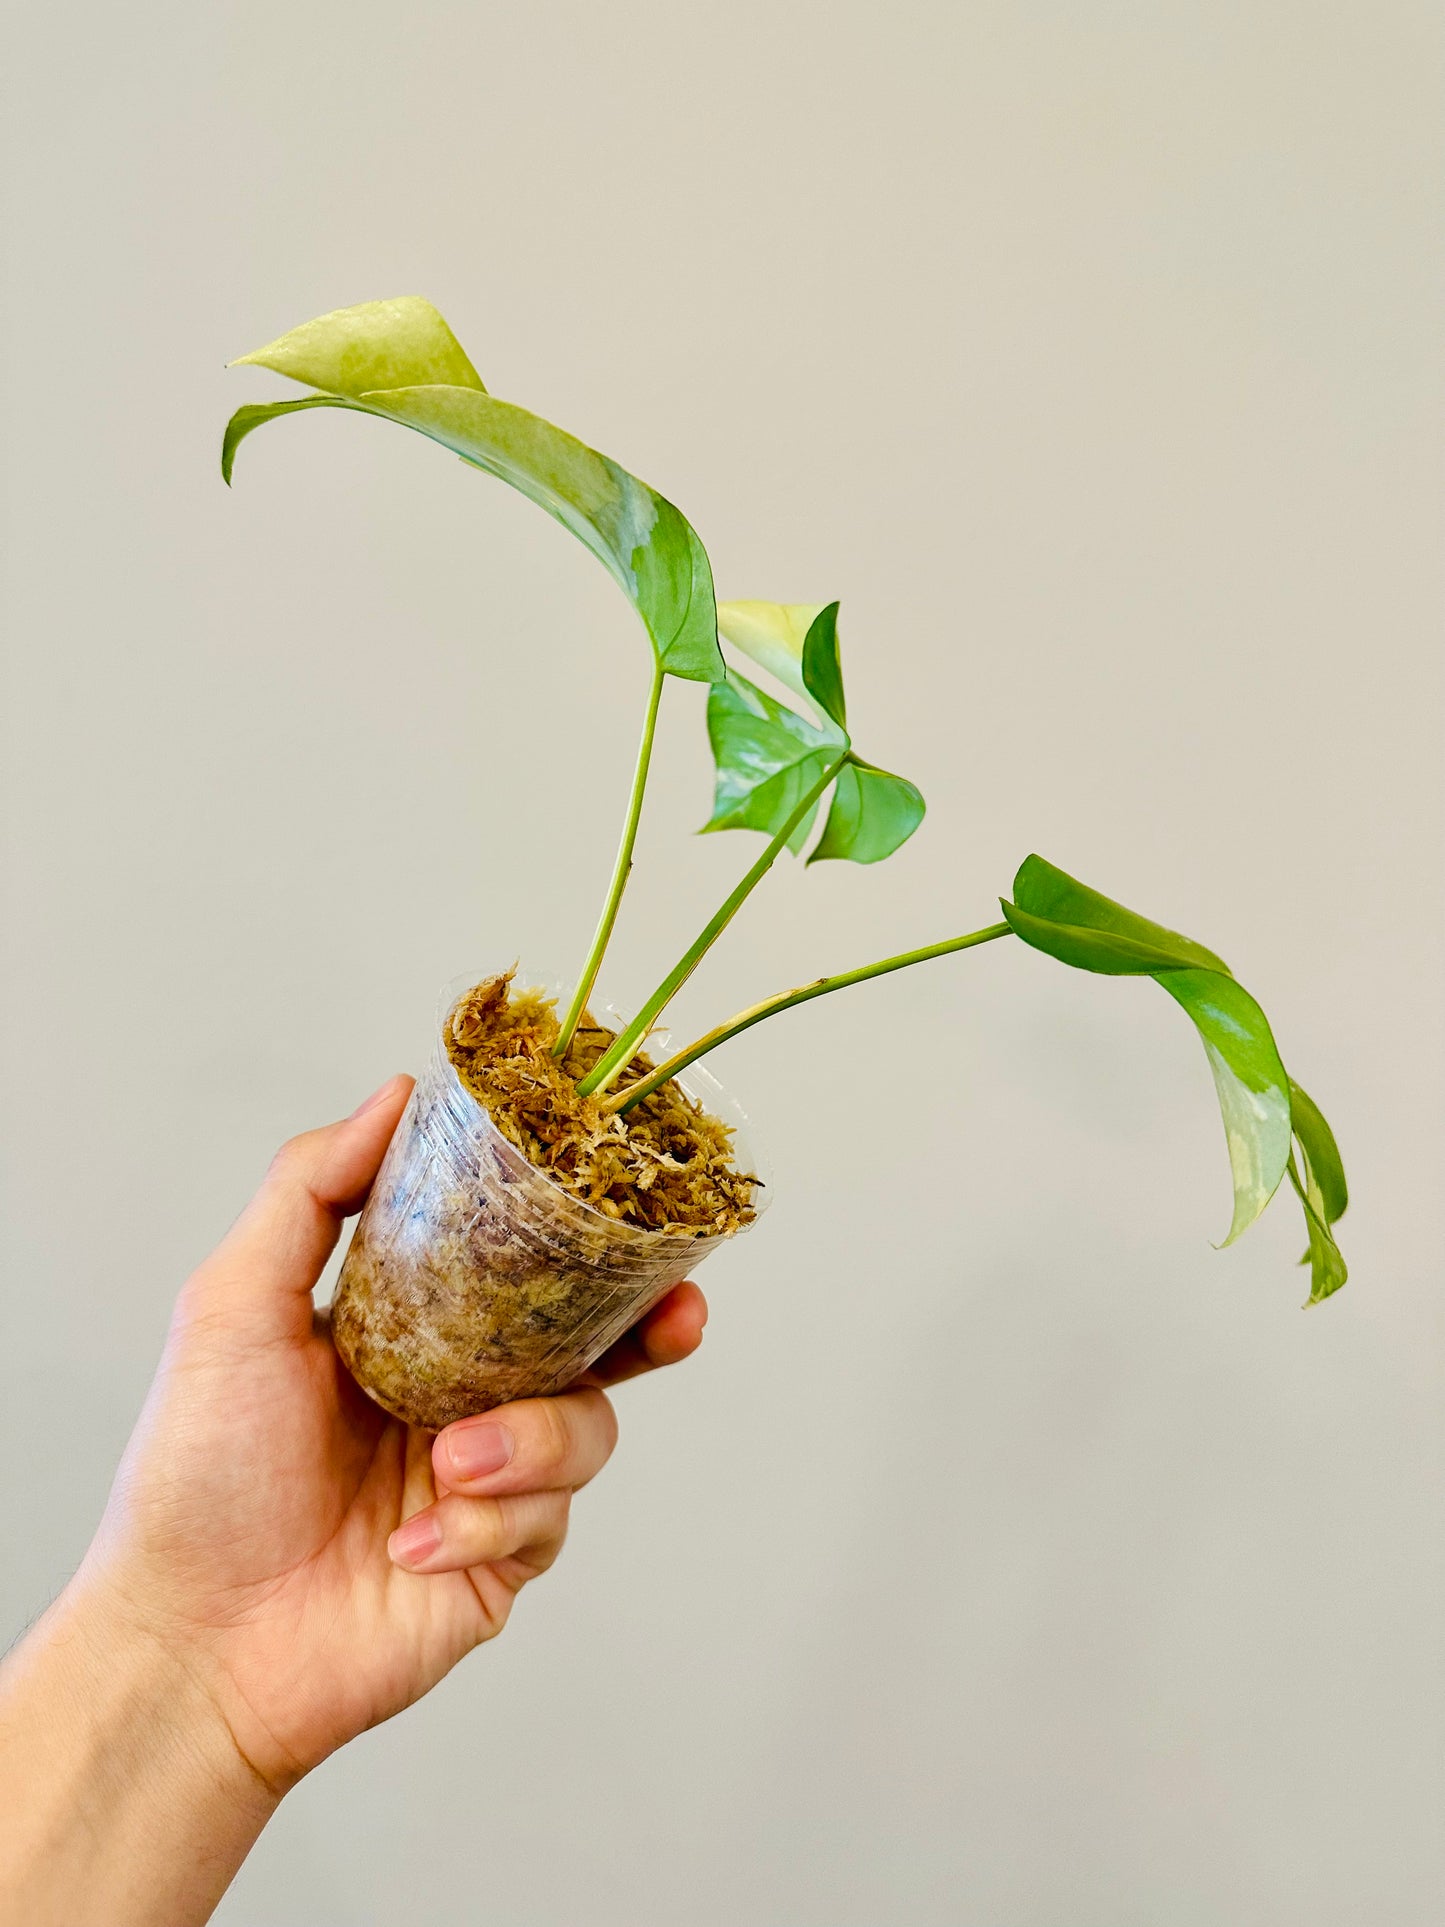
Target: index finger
(531, 1445)
(670, 1332)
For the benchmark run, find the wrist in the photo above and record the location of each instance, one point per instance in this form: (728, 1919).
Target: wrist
(129, 1666)
(126, 1795)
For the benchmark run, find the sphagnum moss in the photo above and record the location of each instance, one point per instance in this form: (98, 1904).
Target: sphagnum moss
(666, 1165)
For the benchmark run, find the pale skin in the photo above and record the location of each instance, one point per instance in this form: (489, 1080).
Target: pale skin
(279, 1567)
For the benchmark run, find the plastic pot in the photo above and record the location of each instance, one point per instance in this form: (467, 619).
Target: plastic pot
(473, 1278)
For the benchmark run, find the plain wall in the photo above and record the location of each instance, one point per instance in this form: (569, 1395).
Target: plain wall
(1008, 1557)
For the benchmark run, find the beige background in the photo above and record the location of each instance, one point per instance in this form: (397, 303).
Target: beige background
(1010, 1558)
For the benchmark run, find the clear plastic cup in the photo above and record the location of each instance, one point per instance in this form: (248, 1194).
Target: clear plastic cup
(473, 1278)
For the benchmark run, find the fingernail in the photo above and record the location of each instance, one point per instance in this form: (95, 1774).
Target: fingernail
(475, 1450)
(378, 1096)
(416, 1541)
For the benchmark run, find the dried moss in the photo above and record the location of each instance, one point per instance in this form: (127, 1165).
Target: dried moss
(667, 1165)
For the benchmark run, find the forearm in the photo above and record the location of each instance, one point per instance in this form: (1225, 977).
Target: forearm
(125, 1802)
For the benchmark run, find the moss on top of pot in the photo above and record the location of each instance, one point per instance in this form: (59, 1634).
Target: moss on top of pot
(666, 1165)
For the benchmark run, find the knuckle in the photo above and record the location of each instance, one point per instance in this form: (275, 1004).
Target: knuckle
(523, 1534)
(531, 1561)
(291, 1161)
(475, 1529)
(536, 1517)
(551, 1434)
(507, 1541)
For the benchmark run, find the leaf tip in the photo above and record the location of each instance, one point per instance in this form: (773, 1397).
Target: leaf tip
(1248, 1211)
(1021, 875)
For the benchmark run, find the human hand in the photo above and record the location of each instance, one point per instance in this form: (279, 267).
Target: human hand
(299, 1565)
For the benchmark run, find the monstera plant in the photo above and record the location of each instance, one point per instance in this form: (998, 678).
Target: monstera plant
(782, 761)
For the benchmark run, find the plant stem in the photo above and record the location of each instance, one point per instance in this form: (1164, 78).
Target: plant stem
(620, 1055)
(621, 870)
(624, 1100)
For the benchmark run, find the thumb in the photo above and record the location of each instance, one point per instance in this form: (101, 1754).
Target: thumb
(260, 1277)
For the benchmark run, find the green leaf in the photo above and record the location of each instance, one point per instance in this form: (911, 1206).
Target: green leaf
(1092, 932)
(379, 344)
(647, 544)
(872, 814)
(1328, 1270)
(1317, 1142)
(767, 759)
(1057, 914)
(423, 381)
(1262, 1107)
(1104, 951)
(822, 669)
(1318, 1176)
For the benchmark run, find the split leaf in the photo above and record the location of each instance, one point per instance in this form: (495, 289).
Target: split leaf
(773, 634)
(822, 667)
(795, 641)
(767, 758)
(769, 755)
(1057, 914)
(399, 360)
(872, 814)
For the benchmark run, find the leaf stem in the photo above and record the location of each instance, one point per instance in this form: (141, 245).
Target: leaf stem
(620, 1055)
(623, 1101)
(621, 870)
